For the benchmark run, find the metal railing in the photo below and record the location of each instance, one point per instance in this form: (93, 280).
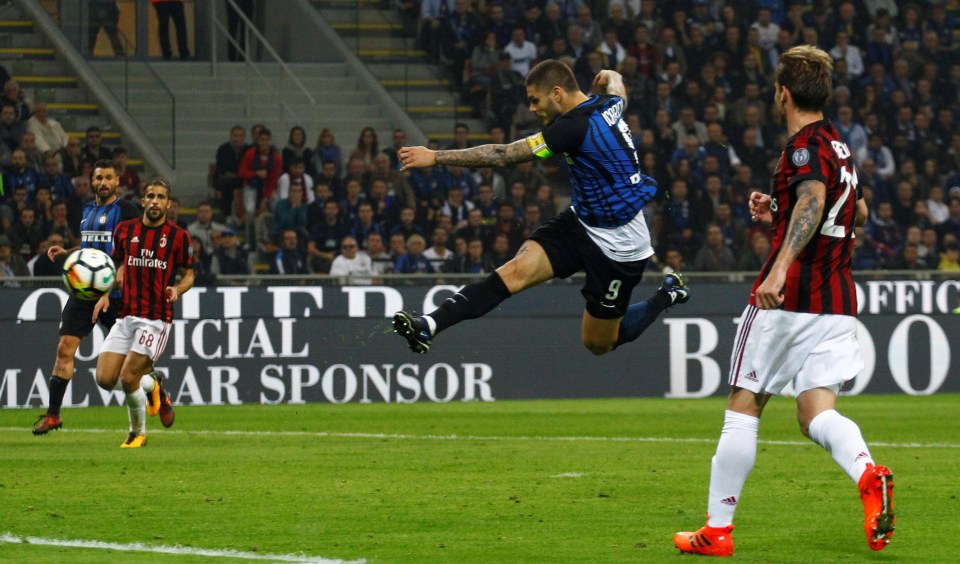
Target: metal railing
(143, 104)
(216, 25)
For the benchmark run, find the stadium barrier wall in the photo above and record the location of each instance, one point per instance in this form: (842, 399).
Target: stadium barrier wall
(296, 344)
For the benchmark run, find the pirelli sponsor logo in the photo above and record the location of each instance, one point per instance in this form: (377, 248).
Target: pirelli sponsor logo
(96, 236)
(539, 147)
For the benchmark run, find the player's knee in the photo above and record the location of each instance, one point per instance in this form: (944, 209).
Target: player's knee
(66, 348)
(597, 346)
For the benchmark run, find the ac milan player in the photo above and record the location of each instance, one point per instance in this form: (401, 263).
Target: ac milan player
(149, 252)
(800, 326)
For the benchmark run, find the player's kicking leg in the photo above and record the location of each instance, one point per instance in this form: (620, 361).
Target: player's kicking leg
(528, 268)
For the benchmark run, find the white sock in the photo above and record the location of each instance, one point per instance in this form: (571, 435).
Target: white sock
(431, 324)
(137, 411)
(842, 439)
(736, 453)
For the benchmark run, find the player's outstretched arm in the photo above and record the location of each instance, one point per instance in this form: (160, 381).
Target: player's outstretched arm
(804, 222)
(484, 155)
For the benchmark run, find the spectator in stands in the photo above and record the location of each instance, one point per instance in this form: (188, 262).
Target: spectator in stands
(173, 214)
(104, 14)
(413, 261)
(471, 262)
(936, 207)
(328, 176)
(367, 147)
(26, 234)
(129, 179)
(325, 238)
(71, 158)
(757, 254)
(11, 130)
(290, 214)
(171, 10)
(43, 206)
(483, 65)
(458, 35)
(951, 226)
(14, 95)
(438, 253)
(385, 209)
(613, 52)
(398, 188)
(327, 151)
(522, 52)
(93, 149)
(399, 138)
(230, 258)
(851, 132)
(365, 224)
(260, 168)
(289, 260)
(884, 235)
(500, 252)
(60, 225)
(11, 264)
(296, 175)
(351, 261)
(41, 265)
(49, 134)
(19, 173)
(714, 256)
(505, 95)
(350, 204)
(28, 145)
(296, 147)
(382, 263)
(237, 28)
(433, 14)
(930, 247)
(203, 227)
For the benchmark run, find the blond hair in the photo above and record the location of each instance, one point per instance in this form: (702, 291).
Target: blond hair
(806, 72)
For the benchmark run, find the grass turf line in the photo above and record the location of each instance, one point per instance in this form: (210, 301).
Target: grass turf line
(412, 500)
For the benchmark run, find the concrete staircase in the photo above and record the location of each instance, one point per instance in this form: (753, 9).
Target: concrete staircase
(387, 45)
(208, 106)
(26, 55)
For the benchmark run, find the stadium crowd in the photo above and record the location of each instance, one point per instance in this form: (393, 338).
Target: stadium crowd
(699, 82)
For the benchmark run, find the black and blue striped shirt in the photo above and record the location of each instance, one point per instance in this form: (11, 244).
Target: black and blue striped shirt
(98, 223)
(608, 188)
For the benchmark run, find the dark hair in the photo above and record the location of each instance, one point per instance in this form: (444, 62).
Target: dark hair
(105, 163)
(550, 73)
(92, 128)
(301, 130)
(158, 181)
(265, 131)
(294, 160)
(119, 150)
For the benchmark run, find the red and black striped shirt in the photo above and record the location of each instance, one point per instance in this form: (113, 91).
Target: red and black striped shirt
(151, 257)
(819, 280)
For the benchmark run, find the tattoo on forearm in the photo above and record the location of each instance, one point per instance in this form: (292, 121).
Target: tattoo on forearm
(805, 219)
(487, 155)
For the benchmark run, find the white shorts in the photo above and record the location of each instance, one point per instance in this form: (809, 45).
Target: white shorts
(137, 334)
(775, 348)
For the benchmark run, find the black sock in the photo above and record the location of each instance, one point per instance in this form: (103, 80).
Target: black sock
(471, 302)
(58, 387)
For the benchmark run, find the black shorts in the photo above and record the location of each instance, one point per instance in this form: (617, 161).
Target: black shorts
(75, 318)
(570, 250)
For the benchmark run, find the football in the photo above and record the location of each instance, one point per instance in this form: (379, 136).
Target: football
(89, 273)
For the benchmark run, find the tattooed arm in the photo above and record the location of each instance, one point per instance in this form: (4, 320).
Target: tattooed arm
(804, 222)
(484, 155)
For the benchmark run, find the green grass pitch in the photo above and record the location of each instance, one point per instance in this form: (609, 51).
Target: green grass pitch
(519, 481)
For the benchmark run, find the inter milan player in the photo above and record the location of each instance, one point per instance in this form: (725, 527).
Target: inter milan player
(602, 233)
(800, 325)
(100, 217)
(149, 253)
